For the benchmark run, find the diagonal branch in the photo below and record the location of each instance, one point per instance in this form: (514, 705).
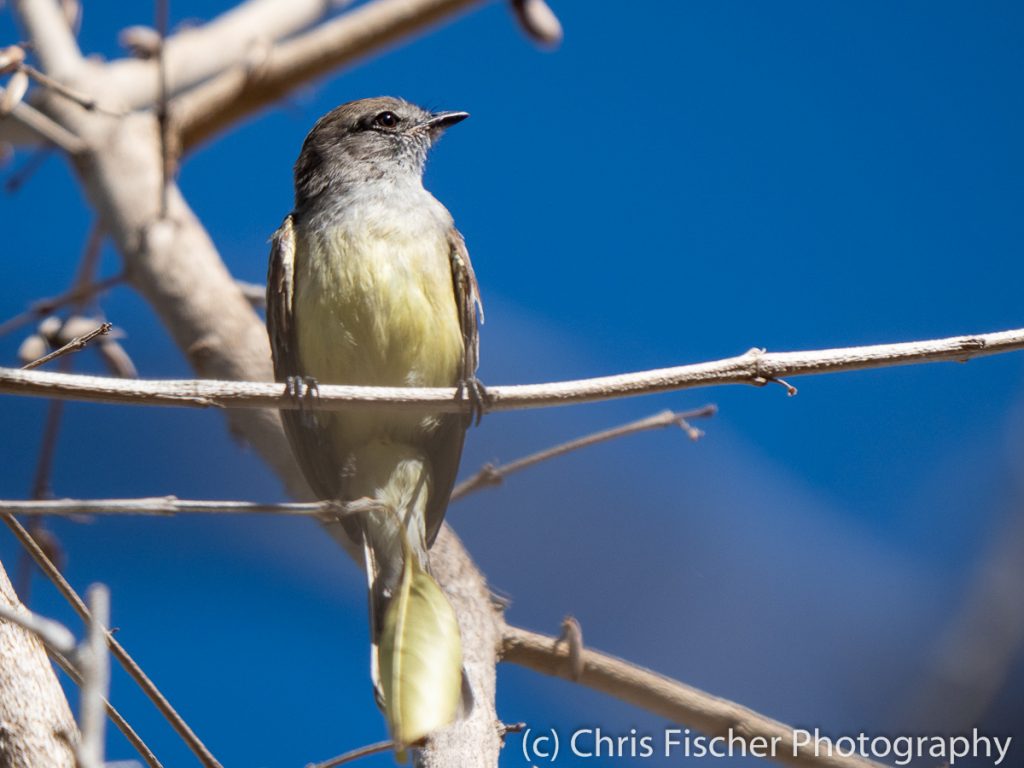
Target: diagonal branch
(756, 367)
(26, 125)
(51, 36)
(76, 344)
(669, 698)
(115, 716)
(198, 53)
(78, 293)
(240, 91)
(124, 659)
(37, 725)
(491, 475)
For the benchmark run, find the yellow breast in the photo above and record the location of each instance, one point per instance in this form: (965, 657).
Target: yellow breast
(377, 308)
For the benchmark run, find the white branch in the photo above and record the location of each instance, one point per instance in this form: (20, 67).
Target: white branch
(51, 37)
(238, 92)
(94, 665)
(38, 729)
(163, 506)
(195, 54)
(26, 125)
(755, 367)
(53, 634)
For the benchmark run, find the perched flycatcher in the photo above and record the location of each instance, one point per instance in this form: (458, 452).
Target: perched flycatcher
(370, 284)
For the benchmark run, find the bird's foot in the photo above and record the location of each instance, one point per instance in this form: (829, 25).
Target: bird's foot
(479, 398)
(304, 390)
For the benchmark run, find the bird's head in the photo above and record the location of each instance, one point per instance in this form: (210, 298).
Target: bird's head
(382, 138)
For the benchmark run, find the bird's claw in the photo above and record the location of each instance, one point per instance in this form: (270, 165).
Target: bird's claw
(479, 398)
(304, 390)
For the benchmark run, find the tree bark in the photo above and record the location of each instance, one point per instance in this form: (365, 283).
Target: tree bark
(36, 727)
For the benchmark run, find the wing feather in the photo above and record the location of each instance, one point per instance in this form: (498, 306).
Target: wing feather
(446, 443)
(309, 440)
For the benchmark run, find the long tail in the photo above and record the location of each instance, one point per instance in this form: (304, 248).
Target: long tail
(416, 653)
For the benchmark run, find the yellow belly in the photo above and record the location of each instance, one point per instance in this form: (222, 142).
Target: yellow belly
(378, 309)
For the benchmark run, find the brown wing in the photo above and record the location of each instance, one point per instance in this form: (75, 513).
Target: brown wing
(445, 445)
(308, 440)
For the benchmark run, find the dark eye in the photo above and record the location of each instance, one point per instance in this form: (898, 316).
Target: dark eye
(386, 120)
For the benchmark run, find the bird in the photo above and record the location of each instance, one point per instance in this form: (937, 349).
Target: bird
(370, 283)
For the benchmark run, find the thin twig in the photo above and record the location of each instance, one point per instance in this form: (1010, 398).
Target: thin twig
(94, 663)
(54, 635)
(21, 175)
(46, 129)
(83, 100)
(671, 699)
(47, 449)
(43, 307)
(755, 367)
(164, 506)
(41, 485)
(162, 116)
(60, 644)
(355, 754)
(491, 475)
(124, 659)
(41, 489)
(115, 716)
(76, 344)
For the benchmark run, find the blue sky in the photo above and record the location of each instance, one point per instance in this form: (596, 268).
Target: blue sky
(678, 182)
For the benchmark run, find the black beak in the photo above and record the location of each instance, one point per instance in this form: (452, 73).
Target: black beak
(438, 122)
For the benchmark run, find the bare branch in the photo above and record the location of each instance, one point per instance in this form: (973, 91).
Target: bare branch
(60, 644)
(78, 293)
(51, 36)
(83, 100)
(491, 475)
(37, 725)
(224, 100)
(355, 754)
(572, 636)
(124, 659)
(76, 344)
(538, 21)
(164, 506)
(198, 53)
(115, 716)
(255, 293)
(25, 120)
(55, 636)
(667, 698)
(167, 156)
(94, 664)
(755, 367)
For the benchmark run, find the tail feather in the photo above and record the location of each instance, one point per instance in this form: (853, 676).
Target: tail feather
(419, 657)
(416, 650)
